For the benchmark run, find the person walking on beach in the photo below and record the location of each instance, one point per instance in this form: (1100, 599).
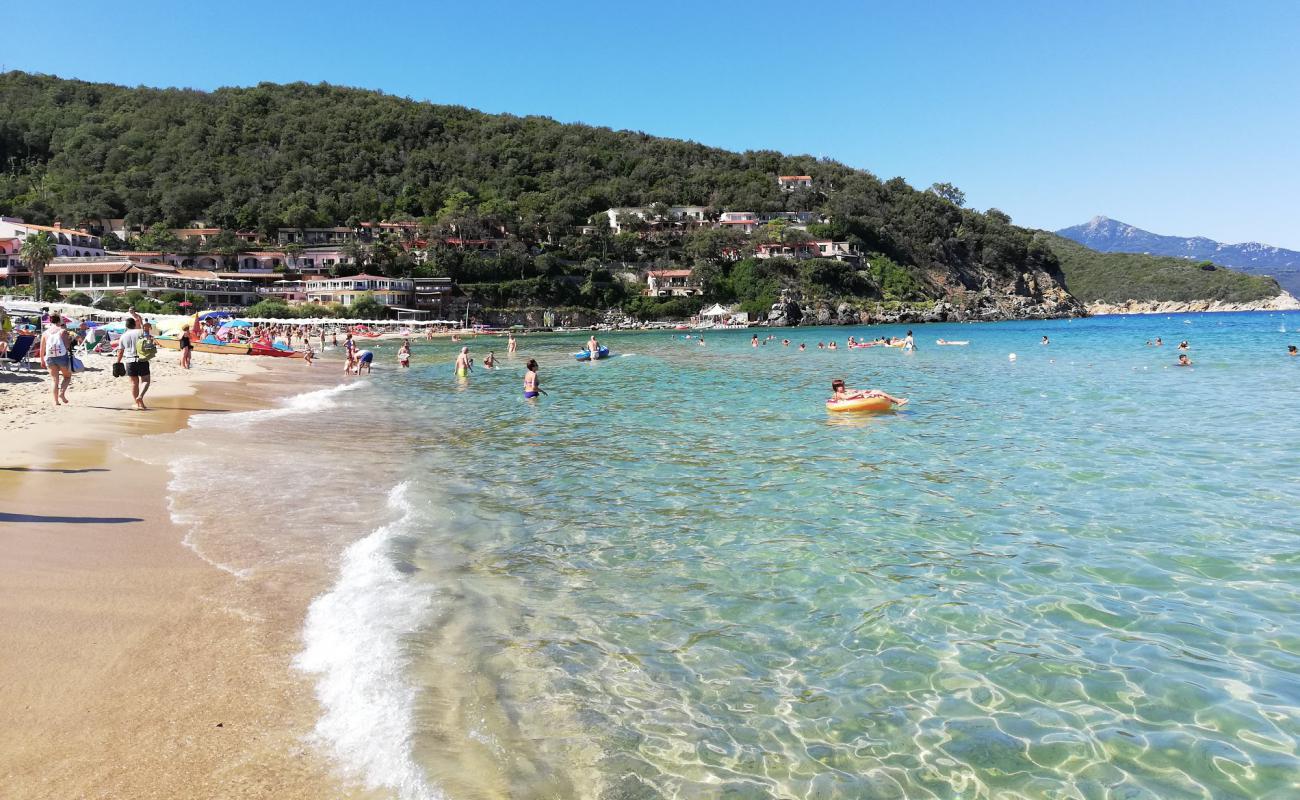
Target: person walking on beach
(187, 348)
(464, 363)
(531, 387)
(130, 352)
(404, 354)
(56, 356)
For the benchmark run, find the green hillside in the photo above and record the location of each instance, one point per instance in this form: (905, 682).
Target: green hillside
(1116, 277)
(315, 155)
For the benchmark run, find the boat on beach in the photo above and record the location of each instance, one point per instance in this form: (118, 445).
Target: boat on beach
(206, 345)
(275, 350)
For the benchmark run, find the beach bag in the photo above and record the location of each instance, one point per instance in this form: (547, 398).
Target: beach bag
(145, 347)
(77, 366)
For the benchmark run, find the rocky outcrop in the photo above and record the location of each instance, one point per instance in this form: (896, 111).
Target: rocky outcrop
(1283, 302)
(1029, 295)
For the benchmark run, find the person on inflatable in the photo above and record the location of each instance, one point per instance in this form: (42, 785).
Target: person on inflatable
(842, 394)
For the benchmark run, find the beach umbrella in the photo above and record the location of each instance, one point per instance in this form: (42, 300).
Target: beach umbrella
(216, 314)
(185, 304)
(237, 323)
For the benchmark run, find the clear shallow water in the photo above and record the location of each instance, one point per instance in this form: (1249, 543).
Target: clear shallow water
(1074, 575)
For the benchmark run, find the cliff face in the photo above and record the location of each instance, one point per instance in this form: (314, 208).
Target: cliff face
(1038, 294)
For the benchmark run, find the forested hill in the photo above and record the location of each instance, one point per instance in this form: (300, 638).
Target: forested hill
(312, 155)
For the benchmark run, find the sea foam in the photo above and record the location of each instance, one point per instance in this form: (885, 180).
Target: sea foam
(307, 402)
(353, 644)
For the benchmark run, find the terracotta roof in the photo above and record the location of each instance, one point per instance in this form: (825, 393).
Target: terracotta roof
(264, 254)
(670, 273)
(93, 267)
(794, 177)
(195, 231)
(72, 231)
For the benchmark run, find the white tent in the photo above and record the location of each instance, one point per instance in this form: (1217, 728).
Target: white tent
(716, 310)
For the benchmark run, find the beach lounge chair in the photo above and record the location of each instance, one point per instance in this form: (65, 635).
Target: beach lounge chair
(18, 351)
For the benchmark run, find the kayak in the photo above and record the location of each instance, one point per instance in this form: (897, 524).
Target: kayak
(279, 351)
(585, 355)
(945, 343)
(204, 346)
(860, 404)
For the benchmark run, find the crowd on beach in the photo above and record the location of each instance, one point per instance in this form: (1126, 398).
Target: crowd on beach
(55, 340)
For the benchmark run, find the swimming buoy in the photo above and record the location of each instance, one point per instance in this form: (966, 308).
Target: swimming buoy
(860, 404)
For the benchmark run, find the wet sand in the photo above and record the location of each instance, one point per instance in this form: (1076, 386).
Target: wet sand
(129, 667)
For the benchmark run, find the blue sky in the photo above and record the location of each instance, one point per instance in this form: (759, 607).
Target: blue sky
(1179, 117)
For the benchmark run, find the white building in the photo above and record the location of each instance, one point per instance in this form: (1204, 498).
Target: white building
(68, 242)
(114, 275)
(689, 215)
(388, 291)
(789, 183)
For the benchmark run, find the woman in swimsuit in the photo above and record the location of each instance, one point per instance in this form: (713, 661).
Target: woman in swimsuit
(841, 394)
(531, 386)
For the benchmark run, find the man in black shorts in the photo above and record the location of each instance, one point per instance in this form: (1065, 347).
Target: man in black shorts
(137, 369)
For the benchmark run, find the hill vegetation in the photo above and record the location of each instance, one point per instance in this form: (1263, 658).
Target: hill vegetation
(1117, 277)
(316, 155)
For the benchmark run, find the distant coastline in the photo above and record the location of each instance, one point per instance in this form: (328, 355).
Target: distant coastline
(1282, 302)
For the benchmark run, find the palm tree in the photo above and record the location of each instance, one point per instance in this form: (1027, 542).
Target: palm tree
(38, 251)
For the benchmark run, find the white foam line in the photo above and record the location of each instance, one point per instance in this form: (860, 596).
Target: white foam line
(307, 402)
(353, 643)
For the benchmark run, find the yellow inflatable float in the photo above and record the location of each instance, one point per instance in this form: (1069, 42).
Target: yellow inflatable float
(860, 404)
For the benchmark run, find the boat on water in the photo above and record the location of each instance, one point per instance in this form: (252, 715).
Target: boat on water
(208, 344)
(585, 355)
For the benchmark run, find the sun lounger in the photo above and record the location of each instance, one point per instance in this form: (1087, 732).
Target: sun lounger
(18, 351)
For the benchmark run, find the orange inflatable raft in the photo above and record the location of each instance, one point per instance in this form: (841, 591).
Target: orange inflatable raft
(860, 404)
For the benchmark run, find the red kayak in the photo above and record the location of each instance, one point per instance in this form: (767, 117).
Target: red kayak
(263, 350)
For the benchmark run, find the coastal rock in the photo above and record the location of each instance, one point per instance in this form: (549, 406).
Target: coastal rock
(1283, 302)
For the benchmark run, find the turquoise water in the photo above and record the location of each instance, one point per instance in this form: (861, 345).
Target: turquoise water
(1074, 575)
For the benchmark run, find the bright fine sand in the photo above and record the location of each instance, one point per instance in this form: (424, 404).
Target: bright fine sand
(129, 667)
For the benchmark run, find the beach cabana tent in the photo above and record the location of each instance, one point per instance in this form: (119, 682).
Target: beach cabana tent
(716, 310)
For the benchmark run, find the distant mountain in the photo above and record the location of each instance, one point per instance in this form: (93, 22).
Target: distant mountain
(1112, 236)
(1115, 278)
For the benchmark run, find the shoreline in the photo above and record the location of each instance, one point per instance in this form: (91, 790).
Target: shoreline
(182, 671)
(1282, 302)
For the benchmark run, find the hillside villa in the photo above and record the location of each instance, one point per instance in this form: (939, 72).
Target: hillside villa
(670, 283)
(67, 241)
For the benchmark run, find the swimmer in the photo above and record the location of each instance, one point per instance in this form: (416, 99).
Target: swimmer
(802, 347)
(1291, 351)
(1183, 345)
(909, 343)
(491, 361)
(404, 354)
(821, 345)
(832, 346)
(1045, 341)
(510, 345)
(1184, 361)
(841, 394)
(786, 343)
(464, 363)
(1159, 342)
(364, 359)
(753, 342)
(531, 387)
(593, 346)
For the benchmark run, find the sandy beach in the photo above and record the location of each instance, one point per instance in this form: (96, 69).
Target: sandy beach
(130, 667)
